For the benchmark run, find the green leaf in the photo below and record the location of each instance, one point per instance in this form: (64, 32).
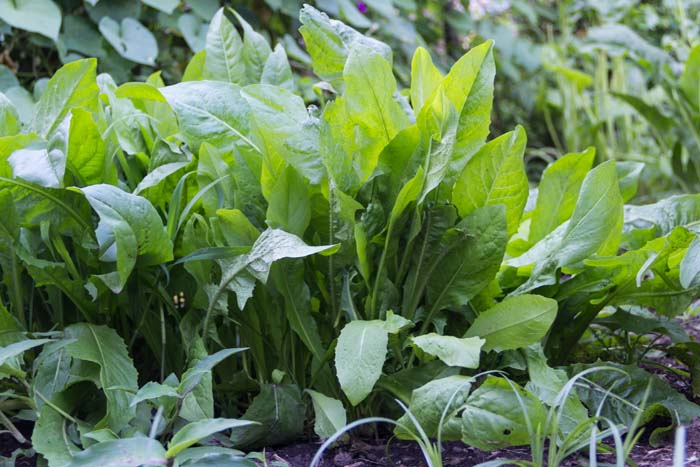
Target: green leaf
(212, 112)
(166, 6)
(289, 204)
(469, 258)
(430, 400)
(438, 123)
(239, 274)
(370, 104)
(131, 39)
(40, 166)
(117, 377)
(87, 158)
(663, 400)
(18, 348)
(194, 432)
(224, 52)
(469, 85)
(131, 225)
(72, 86)
(50, 438)
(495, 175)
(280, 413)
(289, 281)
(10, 123)
(42, 16)
(330, 416)
(691, 77)
(493, 417)
(129, 452)
(195, 68)
(425, 78)
(256, 50)
(594, 227)
(515, 322)
(690, 266)
(328, 42)
(558, 192)
(359, 357)
(193, 376)
(151, 391)
(664, 215)
(628, 173)
(453, 351)
(194, 30)
(277, 71)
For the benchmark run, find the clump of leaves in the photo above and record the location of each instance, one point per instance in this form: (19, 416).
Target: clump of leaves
(377, 242)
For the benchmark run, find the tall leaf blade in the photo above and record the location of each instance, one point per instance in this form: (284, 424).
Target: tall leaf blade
(73, 85)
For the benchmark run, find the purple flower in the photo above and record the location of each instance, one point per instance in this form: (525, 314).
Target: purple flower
(362, 7)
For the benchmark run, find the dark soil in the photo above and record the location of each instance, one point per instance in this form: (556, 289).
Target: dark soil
(383, 453)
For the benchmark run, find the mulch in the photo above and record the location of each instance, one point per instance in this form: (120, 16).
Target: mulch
(393, 453)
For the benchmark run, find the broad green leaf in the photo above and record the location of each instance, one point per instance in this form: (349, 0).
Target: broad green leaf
(330, 416)
(205, 9)
(597, 217)
(469, 258)
(117, 377)
(166, 6)
(65, 210)
(359, 357)
(663, 399)
(370, 104)
(194, 432)
(18, 348)
(469, 85)
(628, 173)
(193, 376)
(194, 30)
(558, 192)
(289, 281)
(130, 225)
(547, 383)
(239, 274)
(42, 16)
(131, 39)
(211, 111)
(277, 115)
(495, 175)
(328, 42)
(153, 390)
(10, 123)
(493, 417)
(515, 322)
(256, 50)
(453, 351)
(87, 159)
(49, 437)
(438, 123)
(664, 215)
(195, 68)
(72, 86)
(142, 91)
(429, 401)
(224, 52)
(129, 452)
(690, 266)
(691, 77)
(425, 78)
(277, 71)
(594, 227)
(39, 166)
(280, 413)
